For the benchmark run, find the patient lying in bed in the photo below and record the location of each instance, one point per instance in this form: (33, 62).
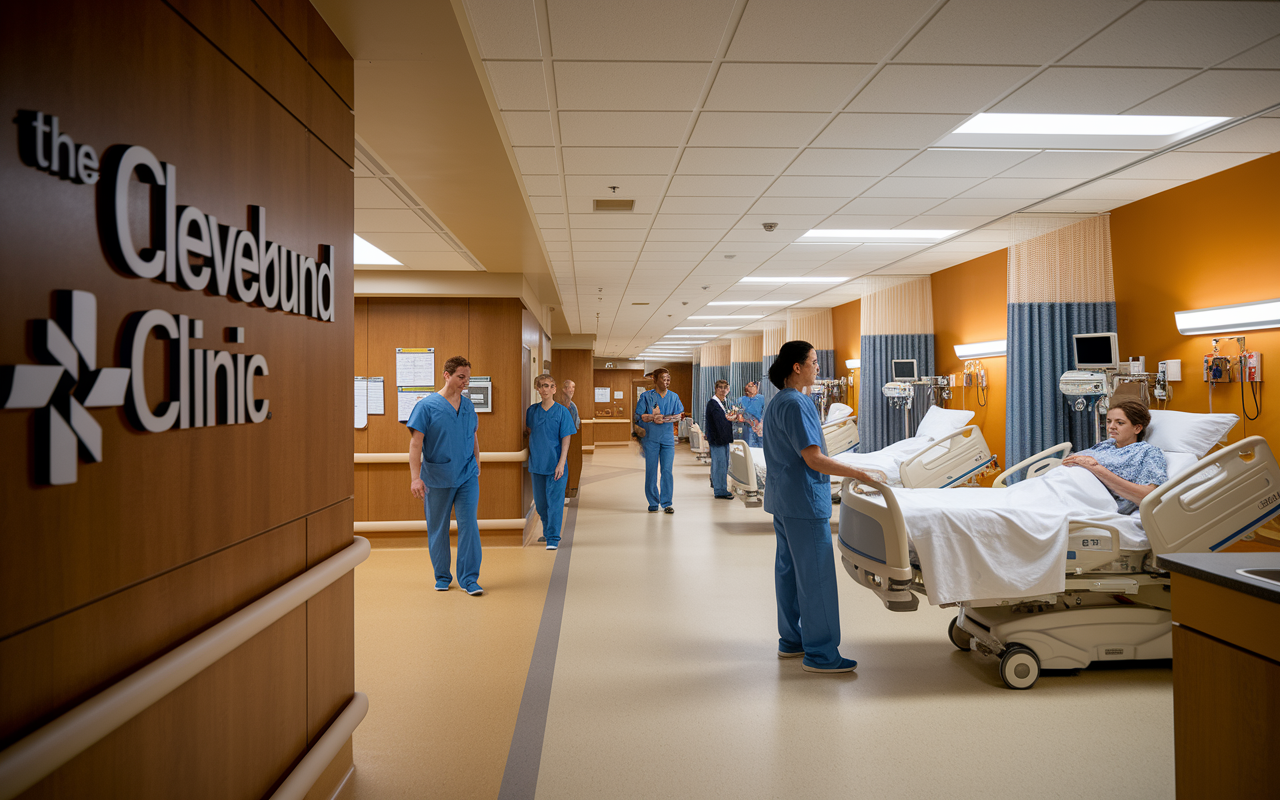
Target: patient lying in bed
(1129, 467)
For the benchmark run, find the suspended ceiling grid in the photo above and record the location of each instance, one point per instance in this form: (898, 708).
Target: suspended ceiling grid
(717, 116)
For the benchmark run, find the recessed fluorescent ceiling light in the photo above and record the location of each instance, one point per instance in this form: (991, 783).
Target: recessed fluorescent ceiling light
(751, 302)
(706, 328)
(793, 280)
(1125, 131)
(368, 254)
(902, 235)
(725, 316)
(1228, 319)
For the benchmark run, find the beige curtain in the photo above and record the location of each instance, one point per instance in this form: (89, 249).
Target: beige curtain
(897, 306)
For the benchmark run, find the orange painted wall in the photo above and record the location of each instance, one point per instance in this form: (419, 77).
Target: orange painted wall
(969, 305)
(1212, 242)
(846, 328)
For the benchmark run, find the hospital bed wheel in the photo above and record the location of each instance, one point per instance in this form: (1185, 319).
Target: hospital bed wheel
(959, 636)
(1019, 667)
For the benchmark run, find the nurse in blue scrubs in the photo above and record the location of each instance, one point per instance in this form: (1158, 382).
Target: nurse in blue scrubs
(657, 409)
(549, 427)
(798, 495)
(752, 405)
(444, 465)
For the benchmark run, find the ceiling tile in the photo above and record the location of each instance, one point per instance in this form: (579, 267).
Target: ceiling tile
(1076, 164)
(619, 160)
(785, 222)
(824, 30)
(957, 222)
(503, 29)
(657, 30)
(784, 87)
(1008, 31)
(1000, 237)
(677, 256)
(547, 205)
(1034, 188)
(589, 246)
(937, 89)
(518, 85)
(1264, 56)
(888, 130)
(629, 85)
(705, 205)
(1123, 189)
(823, 161)
(1218, 93)
(815, 186)
(754, 129)
(528, 128)
(921, 187)
(889, 205)
(408, 242)
(797, 205)
(373, 193)
(608, 235)
(685, 235)
(818, 251)
(362, 171)
(980, 206)
(1187, 166)
(623, 128)
(554, 234)
(432, 261)
(694, 220)
(1089, 90)
(557, 247)
(962, 163)
(718, 185)
(1255, 136)
(586, 256)
(734, 160)
(542, 185)
(1180, 34)
(600, 186)
(389, 221)
(608, 220)
(537, 160)
(656, 245)
(550, 220)
(863, 222)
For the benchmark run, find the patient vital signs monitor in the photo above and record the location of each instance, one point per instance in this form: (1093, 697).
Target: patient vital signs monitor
(904, 369)
(1096, 351)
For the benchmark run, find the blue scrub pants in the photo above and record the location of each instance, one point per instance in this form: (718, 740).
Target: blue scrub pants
(548, 498)
(805, 580)
(657, 455)
(720, 469)
(464, 501)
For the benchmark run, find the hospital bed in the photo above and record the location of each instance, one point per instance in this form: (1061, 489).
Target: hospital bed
(698, 444)
(1087, 591)
(921, 461)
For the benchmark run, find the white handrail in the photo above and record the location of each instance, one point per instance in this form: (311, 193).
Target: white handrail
(326, 748)
(37, 755)
(403, 458)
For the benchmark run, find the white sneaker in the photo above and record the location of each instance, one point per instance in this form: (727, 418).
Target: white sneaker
(552, 546)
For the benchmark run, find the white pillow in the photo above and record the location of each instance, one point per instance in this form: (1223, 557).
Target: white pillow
(1177, 463)
(1182, 432)
(939, 422)
(838, 411)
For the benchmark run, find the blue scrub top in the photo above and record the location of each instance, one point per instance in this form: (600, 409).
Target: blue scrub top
(448, 441)
(669, 406)
(794, 490)
(546, 428)
(753, 406)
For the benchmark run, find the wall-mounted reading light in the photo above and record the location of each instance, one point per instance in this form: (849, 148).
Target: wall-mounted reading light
(993, 349)
(853, 363)
(1227, 319)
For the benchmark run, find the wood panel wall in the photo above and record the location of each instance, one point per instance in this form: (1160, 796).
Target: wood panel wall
(489, 332)
(174, 531)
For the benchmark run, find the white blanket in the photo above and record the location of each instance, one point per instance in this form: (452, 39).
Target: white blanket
(978, 544)
(888, 460)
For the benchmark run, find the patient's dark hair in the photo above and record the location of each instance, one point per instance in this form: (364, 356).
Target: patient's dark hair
(790, 354)
(1137, 414)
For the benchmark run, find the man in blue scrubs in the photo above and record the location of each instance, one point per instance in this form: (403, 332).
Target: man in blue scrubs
(657, 409)
(752, 405)
(444, 469)
(798, 495)
(549, 427)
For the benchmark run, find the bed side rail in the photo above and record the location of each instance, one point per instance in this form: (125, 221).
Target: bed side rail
(1037, 464)
(950, 460)
(873, 544)
(742, 473)
(1224, 496)
(841, 435)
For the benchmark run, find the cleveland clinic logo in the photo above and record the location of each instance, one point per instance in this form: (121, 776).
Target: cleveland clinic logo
(189, 249)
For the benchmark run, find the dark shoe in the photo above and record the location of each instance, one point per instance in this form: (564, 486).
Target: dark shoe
(669, 510)
(474, 590)
(724, 497)
(542, 538)
(653, 510)
(788, 654)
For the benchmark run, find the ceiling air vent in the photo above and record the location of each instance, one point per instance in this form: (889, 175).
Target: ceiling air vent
(610, 204)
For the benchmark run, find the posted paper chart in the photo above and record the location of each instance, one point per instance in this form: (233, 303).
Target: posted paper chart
(377, 400)
(407, 397)
(362, 402)
(415, 366)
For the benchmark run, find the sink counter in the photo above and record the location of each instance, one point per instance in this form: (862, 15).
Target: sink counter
(1220, 569)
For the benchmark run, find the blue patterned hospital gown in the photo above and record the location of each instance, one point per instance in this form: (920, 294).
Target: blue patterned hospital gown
(1139, 463)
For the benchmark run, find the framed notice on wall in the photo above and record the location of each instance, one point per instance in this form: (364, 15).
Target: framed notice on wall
(407, 397)
(602, 394)
(415, 366)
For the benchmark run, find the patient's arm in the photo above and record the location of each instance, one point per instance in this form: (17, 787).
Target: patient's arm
(818, 462)
(1126, 489)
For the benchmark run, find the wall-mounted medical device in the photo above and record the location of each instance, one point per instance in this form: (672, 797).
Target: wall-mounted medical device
(1096, 351)
(904, 369)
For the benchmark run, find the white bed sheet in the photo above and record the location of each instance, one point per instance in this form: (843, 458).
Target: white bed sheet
(888, 460)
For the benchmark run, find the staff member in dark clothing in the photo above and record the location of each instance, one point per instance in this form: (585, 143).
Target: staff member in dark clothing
(719, 437)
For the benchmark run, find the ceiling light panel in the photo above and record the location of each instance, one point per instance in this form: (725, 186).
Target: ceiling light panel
(1084, 131)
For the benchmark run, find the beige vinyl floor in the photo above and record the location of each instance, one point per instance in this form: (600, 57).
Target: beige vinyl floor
(666, 682)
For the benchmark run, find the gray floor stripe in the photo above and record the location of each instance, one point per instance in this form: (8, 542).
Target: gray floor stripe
(520, 777)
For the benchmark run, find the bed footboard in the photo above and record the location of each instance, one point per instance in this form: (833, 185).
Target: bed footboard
(873, 545)
(951, 460)
(742, 474)
(1224, 496)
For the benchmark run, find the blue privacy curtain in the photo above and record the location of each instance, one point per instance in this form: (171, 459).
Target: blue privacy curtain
(744, 365)
(692, 405)
(774, 335)
(897, 322)
(1060, 284)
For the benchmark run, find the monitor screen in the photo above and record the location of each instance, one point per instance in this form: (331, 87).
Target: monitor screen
(1096, 351)
(904, 369)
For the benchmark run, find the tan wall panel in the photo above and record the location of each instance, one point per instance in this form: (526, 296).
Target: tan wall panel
(299, 21)
(329, 531)
(331, 664)
(575, 365)
(495, 328)
(333, 774)
(231, 731)
(618, 380)
(362, 492)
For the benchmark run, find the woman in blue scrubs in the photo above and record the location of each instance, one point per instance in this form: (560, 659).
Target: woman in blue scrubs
(798, 495)
(752, 413)
(444, 466)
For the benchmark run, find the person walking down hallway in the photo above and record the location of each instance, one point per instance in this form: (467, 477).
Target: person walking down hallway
(752, 415)
(798, 495)
(549, 428)
(719, 437)
(569, 387)
(657, 409)
(444, 469)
